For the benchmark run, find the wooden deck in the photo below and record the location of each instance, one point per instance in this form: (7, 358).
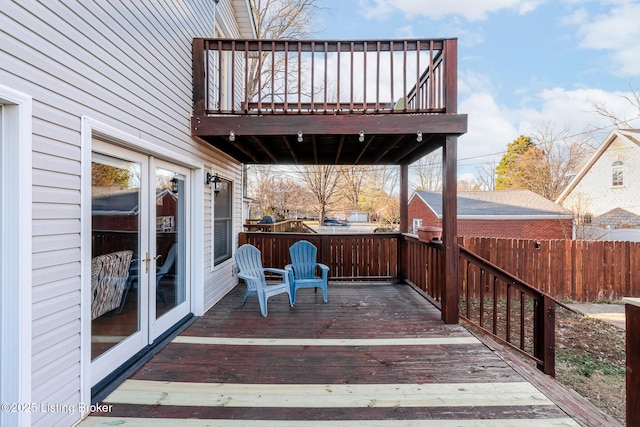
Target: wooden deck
(375, 355)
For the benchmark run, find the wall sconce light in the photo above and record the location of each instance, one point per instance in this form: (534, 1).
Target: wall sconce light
(232, 136)
(174, 185)
(419, 136)
(300, 139)
(361, 136)
(216, 182)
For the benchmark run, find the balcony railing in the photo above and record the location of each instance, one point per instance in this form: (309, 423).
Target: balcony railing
(324, 77)
(511, 311)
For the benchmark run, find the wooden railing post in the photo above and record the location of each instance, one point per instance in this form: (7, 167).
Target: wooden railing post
(199, 83)
(545, 335)
(632, 312)
(451, 75)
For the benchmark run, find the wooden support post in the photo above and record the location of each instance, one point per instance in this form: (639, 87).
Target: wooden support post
(632, 311)
(545, 338)
(404, 198)
(450, 294)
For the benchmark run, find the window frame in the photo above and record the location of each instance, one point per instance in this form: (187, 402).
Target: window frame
(617, 174)
(225, 219)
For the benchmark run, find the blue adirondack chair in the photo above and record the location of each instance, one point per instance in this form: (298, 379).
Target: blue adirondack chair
(249, 262)
(303, 269)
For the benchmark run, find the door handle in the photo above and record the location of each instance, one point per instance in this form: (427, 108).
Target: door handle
(147, 260)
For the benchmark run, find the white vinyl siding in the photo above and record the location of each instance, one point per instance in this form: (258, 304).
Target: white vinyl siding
(125, 64)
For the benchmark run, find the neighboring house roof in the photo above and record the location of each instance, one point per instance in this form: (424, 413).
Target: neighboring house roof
(523, 204)
(630, 135)
(124, 202)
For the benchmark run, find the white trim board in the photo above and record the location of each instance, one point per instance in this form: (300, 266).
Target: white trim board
(15, 253)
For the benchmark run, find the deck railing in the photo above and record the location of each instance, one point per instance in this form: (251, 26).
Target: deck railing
(512, 311)
(287, 226)
(491, 299)
(323, 77)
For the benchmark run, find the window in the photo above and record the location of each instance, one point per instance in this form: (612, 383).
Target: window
(222, 223)
(587, 219)
(617, 174)
(417, 222)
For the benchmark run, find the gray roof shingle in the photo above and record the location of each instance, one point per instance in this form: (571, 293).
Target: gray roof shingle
(497, 203)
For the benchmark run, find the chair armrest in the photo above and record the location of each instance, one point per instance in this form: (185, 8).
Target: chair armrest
(275, 270)
(323, 267)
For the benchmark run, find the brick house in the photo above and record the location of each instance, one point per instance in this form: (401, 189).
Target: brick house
(506, 214)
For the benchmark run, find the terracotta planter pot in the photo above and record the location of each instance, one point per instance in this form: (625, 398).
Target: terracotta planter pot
(428, 233)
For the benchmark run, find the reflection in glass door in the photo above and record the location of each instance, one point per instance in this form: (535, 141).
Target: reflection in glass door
(115, 227)
(170, 277)
(139, 233)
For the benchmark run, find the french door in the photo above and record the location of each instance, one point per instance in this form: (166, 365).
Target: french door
(140, 250)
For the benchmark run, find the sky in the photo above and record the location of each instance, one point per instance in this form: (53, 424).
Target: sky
(522, 64)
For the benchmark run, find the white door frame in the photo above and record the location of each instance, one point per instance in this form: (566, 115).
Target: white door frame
(15, 253)
(91, 128)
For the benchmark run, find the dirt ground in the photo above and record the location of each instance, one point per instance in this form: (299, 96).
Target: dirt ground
(590, 359)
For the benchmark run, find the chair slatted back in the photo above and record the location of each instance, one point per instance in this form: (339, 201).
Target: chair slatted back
(249, 260)
(303, 259)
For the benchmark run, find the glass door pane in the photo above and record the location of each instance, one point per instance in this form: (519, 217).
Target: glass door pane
(115, 226)
(170, 274)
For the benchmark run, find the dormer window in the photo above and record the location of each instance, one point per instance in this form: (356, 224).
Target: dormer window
(617, 174)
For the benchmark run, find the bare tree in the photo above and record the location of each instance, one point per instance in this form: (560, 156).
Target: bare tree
(429, 172)
(322, 181)
(352, 182)
(487, 176)
(633, 99)
(277, 19)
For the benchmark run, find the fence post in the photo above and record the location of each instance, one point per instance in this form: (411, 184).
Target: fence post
(544, 336)
(632, 312)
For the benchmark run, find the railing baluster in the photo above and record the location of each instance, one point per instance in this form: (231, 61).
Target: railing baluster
(299, 76)
(431, 83)
(377, 76)
(404, 76)
(508, 334)
(495, 305)
(338, 76)
(417, 105)
(391, 65)
(313, 80)
(364, 77)
(326, 60)
(259, 73)
(273, 77)
(233, 76)
(522, 318)
(351, 79)
(286, 76)
(246, 77)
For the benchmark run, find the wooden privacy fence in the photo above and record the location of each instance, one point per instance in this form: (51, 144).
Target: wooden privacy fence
(577, 270)
(350, 257)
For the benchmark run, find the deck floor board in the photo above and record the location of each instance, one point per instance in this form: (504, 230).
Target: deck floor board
(335, 362)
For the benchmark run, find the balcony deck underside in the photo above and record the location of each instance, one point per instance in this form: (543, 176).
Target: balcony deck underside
(328, 138)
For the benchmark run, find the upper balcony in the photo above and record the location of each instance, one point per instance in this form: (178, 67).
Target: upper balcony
(326, 102)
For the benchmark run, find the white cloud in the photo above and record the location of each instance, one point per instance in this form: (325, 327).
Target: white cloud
(436, 9)
(616, 32)
(492, 126)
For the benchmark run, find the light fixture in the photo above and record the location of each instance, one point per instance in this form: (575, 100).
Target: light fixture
(232, 136)
(300, 139)
(361, 136)
(419, 136)
(216, 182)
(174, 185)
